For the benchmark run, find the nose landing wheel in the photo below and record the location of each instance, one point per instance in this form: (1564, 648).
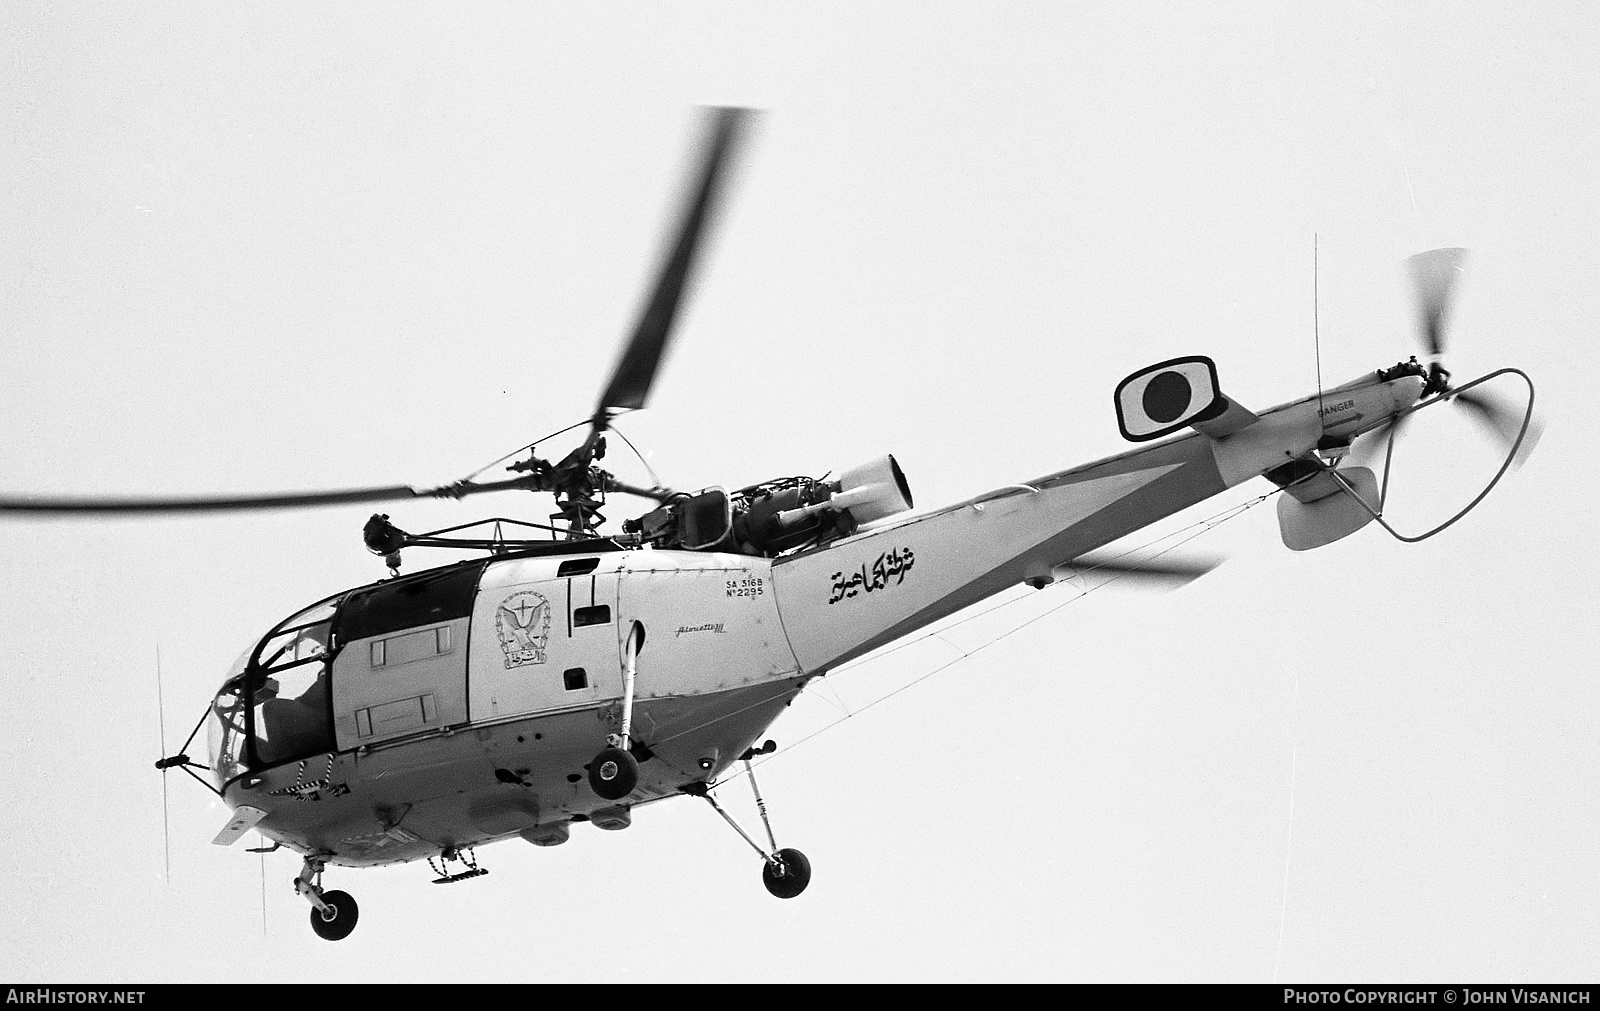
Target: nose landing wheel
(333, 913)
(338, 918)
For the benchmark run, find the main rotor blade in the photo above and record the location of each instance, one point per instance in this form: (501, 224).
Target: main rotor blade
(226, 503)
(1434, 273)
(1504, 420)
(1169, 573)
(636, 369)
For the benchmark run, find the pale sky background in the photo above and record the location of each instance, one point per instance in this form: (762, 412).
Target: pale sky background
(298, 246)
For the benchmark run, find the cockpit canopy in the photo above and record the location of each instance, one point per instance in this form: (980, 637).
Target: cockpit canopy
(276, 704)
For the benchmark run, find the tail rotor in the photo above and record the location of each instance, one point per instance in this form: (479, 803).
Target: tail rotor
(1434, 277)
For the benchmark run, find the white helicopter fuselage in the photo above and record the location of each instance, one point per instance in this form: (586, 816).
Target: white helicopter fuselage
(477, 725)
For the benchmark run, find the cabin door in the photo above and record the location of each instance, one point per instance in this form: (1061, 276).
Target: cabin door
(546, 645)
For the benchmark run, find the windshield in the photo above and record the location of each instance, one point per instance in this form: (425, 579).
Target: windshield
(225, 724)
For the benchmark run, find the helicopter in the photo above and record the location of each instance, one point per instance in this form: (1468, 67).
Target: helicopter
(570, 677)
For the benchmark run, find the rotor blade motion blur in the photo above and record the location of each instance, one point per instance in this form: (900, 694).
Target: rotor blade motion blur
(238, 503)
(1168, 574)
(578, 485)
(1434, 274)
(1364, 452)
(1503, 420)
(636, 369)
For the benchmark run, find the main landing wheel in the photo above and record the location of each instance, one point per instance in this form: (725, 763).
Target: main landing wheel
(336, 924)
(787, 874)
(613, 774)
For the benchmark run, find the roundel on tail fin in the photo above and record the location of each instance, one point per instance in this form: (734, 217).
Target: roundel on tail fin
(1162, 398)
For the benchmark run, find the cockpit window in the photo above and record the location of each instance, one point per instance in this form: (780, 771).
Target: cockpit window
(291, 713)
(313, 615)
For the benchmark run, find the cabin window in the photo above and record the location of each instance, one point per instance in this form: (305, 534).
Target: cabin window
(598, 614)
(577, 567)
(575, 678)
(427, 599)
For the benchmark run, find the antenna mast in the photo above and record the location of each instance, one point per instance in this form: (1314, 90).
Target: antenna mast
(1316, 336)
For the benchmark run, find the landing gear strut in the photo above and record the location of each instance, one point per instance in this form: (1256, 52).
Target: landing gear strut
(785, 872)
(614, 772)
(333, 913)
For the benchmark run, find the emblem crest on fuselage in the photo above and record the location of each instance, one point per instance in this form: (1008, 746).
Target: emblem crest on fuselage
(522, 622)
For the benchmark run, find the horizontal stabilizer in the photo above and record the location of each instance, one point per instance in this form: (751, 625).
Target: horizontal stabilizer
(1234, 419)
(1162, 398)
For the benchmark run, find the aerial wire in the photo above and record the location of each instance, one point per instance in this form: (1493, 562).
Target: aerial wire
(1204, 526)
(522, 449)
(964, 654)
(1199, 527)
(1405, 169)
(654, 479)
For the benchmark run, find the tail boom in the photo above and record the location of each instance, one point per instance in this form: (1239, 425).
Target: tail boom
(850, 597)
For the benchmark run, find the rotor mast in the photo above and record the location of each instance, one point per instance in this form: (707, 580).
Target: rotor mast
(579, 486)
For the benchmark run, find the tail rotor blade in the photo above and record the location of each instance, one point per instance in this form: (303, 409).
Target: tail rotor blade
(1366, 448)
(1434, 273)
(1503, 420)
(636, 369)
